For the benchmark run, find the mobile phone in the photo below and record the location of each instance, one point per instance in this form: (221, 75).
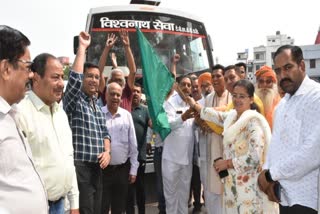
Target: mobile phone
(223, 173)
(277, 190)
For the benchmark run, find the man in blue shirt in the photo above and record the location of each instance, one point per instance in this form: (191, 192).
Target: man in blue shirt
(91, 140)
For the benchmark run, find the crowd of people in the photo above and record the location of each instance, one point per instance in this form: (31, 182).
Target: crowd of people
(254, 148)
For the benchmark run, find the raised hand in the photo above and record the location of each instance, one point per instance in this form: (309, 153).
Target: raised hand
(114, 60)
(175, 58)
(125, 37)
(84, 39)
(111, 39)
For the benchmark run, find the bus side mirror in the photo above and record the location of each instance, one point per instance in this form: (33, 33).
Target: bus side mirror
(210, 42)
(75, 44)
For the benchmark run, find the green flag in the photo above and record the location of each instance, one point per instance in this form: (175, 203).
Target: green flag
(157, 82)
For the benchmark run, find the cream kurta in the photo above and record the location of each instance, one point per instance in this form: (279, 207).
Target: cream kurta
(245, 142)
(213, 147)
(50, 139)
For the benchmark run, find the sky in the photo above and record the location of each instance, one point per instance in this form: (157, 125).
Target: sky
(233, 25)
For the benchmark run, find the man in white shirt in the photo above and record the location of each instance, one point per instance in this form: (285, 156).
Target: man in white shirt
(124, 164)
(293, 158)
(21, 189)
(178, 150)
(47, 129)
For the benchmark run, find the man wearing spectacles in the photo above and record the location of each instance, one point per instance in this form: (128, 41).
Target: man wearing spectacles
(267, 91)
(49, 135)
(91, 140)
(21, 189)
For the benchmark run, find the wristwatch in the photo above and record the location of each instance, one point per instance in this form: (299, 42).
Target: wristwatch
(268, 176)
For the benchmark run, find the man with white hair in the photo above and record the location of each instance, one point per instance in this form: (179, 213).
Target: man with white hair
(124, 160)
(267, 91)
(117, 74)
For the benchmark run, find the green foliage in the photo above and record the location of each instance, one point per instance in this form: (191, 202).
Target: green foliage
(66, 71)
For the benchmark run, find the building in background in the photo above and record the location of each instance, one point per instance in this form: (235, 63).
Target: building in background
(65, 61)
(311, 55)
(263, 55)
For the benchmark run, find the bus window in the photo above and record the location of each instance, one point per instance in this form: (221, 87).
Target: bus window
(168, 34)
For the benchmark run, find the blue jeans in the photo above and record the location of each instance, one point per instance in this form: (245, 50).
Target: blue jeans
(56, 207)
(157, 159)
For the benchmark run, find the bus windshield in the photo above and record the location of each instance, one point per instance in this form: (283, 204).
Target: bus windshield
(167, 34)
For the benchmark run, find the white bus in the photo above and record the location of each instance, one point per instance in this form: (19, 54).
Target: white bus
(168, 31)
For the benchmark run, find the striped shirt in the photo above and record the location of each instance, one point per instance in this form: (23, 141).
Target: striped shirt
(86, 121)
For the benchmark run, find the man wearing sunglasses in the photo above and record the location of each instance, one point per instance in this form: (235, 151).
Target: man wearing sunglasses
(21, 189)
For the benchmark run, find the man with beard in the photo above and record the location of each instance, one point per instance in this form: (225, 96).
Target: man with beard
(267, 91)
(205, 84)
(141, 121)
(178, 149)
(124, 164)
(293, 158)
(48, 132)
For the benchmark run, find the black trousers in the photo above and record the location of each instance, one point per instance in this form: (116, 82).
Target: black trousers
(196, 186)
(115, 188)
(157, 158)
(90, 187)
(138, 188)
(297, 209)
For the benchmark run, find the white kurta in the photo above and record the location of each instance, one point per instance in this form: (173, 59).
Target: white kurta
(177, 157)
(245, 143)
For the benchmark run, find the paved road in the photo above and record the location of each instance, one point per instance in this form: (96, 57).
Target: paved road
(153, 209)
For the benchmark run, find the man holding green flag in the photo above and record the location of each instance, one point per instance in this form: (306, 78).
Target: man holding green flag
(157, 82)
(176, 116)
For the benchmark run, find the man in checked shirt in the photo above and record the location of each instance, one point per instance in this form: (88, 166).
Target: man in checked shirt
(91, 140)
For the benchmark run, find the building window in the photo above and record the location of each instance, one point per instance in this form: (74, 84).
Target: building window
(260, 56)
(272, 55)
(312, 63)
(258, 67)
